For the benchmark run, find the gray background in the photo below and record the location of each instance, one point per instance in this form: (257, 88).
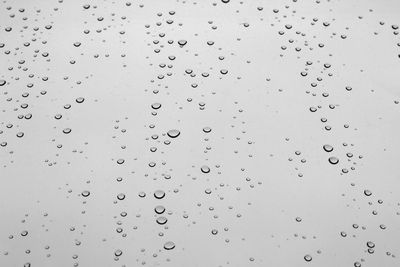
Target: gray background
(265, 150)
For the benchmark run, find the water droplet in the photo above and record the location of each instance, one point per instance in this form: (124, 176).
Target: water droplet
(159, 194)
(333, 160)
(206, 129)
(307, 257)
(162, 220)
(182, 42)
(205, 169)
(173, 133)
(169, 245)
(328, 148)
(121, 196)
(67, 130)
(118, 253)
(156, 105)
(367, 192)
(159, 209)
(370, 244)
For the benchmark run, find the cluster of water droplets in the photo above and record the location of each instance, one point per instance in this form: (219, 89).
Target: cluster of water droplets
(199, 133)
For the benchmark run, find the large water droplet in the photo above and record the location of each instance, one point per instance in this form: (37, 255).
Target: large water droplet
(328, 148)
(159, 194)
(205, 169)
(173, 133)
(159, 209)
(169, 245)
(333, 160)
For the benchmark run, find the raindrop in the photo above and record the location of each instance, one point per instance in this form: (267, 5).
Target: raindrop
(205, 169)
(307, 257)
(328, 148)
(159, 209)
(159, 194)
(206, 129)
(182, 42)
(367, 192)
(67, 130)
(333, 160)
(173, 133)
(118, 253)
(121, 196)
(156, 105)
(370, 244)
(169, 245)
(162, 220)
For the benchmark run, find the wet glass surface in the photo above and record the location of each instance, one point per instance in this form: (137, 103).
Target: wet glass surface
(199, 133)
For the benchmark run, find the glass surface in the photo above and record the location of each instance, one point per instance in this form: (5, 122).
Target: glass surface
(199, 133)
